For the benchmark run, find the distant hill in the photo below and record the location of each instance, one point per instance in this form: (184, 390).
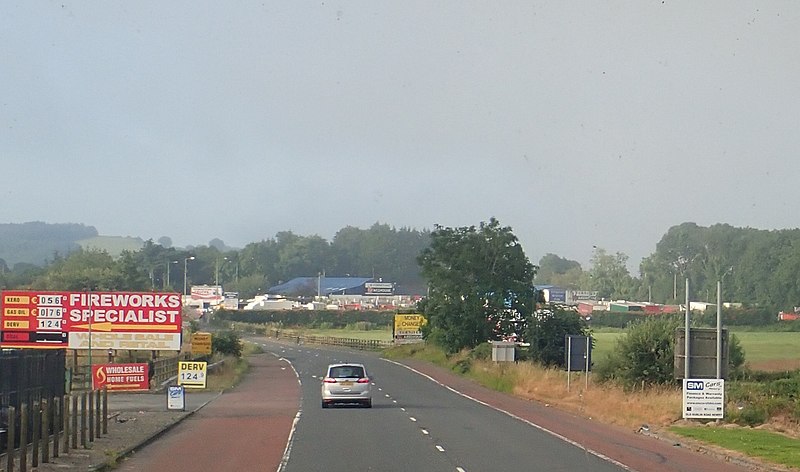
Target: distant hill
(38, 243)
(113, 245)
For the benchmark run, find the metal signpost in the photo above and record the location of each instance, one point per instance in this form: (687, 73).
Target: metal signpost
(579, 356)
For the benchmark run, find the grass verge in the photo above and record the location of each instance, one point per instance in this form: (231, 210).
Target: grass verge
(766, 445)
(607, 403)
(231, 371)
(656, 407)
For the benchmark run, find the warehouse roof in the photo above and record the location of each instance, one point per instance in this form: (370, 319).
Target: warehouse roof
(323, 285)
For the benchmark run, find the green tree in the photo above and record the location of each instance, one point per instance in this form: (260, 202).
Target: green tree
(609, 275)
(480, 285)
(81, 270)
(555, 270)
(380, 252)
(547, 332)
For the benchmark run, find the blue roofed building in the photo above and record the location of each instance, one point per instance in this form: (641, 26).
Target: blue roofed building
(323, 286)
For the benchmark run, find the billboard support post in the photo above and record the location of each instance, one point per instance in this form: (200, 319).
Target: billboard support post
(687, 337)
(91, 315)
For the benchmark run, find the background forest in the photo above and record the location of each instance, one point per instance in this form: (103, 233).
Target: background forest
(758, 268)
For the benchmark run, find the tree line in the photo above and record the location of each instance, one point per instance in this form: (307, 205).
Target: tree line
(380, 252)
(758, 268)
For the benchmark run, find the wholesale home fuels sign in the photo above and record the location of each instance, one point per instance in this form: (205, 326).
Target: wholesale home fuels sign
(120, 377)
(80, 320)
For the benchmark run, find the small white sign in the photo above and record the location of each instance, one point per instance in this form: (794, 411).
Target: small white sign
(703, 398)
(176, 399)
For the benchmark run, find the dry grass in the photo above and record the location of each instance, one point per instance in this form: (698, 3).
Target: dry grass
(228, 374)
(605, 403)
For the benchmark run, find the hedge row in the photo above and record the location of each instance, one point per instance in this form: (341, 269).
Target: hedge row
(308, 318)
(730, 317)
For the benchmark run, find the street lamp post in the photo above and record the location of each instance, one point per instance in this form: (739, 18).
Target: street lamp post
(185, 267)
(225, 260)
(169, 266)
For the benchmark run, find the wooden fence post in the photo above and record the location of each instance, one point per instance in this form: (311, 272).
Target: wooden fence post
(74, 419)
(37, 433)
(45, 430)
(83, 420)
(90, 394)
(67, 422)
(58, 417)
(98, 414)
(23, 437)
(105, 410)
(12, 420)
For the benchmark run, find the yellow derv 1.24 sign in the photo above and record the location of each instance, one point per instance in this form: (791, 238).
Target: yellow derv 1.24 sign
(192, 374)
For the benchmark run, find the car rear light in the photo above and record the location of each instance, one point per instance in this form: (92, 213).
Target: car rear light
(329, 380)
(363, 381)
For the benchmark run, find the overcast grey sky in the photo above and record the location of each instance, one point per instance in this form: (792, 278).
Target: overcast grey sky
(578, 124)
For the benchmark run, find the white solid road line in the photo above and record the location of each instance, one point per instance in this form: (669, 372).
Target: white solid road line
(531, 423)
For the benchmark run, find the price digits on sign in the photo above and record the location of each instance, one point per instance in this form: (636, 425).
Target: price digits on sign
(45, 323)
(50, 300)
(50, 312)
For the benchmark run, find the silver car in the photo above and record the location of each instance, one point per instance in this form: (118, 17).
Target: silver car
(346, 383)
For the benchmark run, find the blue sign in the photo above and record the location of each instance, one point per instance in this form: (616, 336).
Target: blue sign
(694, 385)
(175, 397)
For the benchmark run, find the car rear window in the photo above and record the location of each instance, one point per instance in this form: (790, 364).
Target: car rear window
(347, 371)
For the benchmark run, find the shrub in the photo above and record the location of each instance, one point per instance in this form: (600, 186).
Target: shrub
(482, 352)
(361, 326)
(735, 356)
(750, 415)
(645, 355)
(227, 343)
(463, 366)
(546, 334)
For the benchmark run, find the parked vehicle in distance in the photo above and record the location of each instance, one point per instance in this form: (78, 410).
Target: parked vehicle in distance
(346, 383)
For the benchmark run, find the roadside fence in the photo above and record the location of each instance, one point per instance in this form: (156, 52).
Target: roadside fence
(49, 427)
(353, 343)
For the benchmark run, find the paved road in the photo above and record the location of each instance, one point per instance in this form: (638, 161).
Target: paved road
(437, 421)
(416, 425)
(423, 419)
(246, 429)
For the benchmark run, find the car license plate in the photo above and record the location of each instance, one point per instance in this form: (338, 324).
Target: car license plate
(346, 383)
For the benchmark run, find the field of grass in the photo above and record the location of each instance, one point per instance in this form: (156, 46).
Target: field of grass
(770, 351)
(604, 343)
